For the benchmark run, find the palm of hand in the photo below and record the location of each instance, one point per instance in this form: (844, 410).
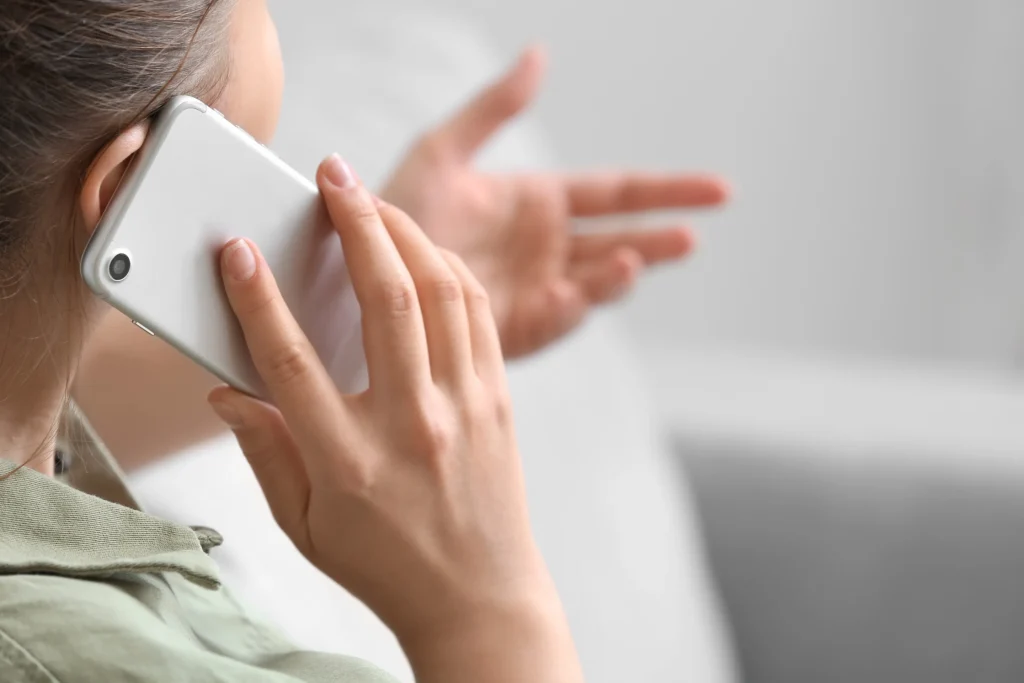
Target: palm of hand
(515, 232)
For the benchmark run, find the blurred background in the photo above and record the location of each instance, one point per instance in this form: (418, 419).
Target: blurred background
(798, 456)
(873, 145)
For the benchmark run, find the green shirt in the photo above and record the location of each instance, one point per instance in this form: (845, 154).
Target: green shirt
(92, 589)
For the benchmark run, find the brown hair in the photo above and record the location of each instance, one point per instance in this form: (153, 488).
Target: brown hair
(73, 74)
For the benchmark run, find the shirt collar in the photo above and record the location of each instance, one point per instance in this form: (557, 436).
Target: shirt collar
(51, 528)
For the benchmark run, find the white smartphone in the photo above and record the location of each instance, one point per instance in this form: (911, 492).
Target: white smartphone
(198, 182)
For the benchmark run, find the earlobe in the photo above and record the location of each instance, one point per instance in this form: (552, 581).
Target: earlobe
(106, 171)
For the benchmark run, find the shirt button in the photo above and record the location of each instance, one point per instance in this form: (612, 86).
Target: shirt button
(208, 538)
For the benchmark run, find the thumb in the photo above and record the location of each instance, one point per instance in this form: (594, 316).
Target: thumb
(268, 445)
(467, 131)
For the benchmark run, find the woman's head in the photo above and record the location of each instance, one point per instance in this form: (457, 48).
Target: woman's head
(76, 79)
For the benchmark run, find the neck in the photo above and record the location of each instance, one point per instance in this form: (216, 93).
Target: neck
(29, 418)
(36, 367)
(32, 445)
(48, 315)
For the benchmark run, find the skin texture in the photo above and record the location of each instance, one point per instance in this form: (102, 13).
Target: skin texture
(410, 494)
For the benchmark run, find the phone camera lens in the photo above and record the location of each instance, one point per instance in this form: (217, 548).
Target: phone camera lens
(119, 267)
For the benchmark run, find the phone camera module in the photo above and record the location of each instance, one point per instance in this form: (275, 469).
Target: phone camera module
(119, 267)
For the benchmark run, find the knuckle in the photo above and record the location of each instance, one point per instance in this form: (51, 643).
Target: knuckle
(473, 413)
(445, 289)
(362, 210)
(434, 431)
(472, 290)
(289, 363)
(257, 300)
(477, 295)
(358, 478)
(437, 438)
(398, 298)
(487, 409)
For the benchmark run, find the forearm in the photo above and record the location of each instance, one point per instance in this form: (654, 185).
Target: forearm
(145, 399)
(528, 642)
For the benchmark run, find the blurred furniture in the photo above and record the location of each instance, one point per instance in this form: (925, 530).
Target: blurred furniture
(864, 522)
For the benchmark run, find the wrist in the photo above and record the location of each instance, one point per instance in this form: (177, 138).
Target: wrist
(517, 638)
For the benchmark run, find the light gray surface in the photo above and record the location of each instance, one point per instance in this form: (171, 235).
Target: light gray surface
(875, 146)
(894, 571)
(865, 522)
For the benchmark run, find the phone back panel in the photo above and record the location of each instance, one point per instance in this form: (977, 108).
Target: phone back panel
(197, 183)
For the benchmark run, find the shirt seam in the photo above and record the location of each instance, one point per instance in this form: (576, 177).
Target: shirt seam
(199, 578)
(20, 658)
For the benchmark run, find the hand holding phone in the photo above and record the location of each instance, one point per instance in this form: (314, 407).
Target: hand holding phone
(410, 494)
(198, 181)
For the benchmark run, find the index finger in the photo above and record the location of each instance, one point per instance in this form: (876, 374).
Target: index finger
(286, 361)
(394, 334)
(602, 194)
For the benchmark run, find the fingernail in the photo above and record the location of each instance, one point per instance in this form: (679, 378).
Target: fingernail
(227, 413)
(339, 173)
(239, 261)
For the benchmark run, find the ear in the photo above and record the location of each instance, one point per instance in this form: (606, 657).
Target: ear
(106, 171)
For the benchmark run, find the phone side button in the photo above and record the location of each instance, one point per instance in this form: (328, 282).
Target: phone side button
(143, 328)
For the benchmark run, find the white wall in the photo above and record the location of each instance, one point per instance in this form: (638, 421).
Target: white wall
(874, 145)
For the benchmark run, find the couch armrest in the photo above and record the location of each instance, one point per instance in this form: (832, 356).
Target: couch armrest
(835, 571)
(870, 541)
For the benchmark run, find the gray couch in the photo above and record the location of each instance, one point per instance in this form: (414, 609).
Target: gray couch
(830, 571)
(863, 522)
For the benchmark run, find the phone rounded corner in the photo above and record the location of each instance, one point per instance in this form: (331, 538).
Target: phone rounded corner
(176, 107)
(180, 104)
(89, 268)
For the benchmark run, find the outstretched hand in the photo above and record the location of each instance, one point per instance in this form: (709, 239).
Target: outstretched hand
(515, 231)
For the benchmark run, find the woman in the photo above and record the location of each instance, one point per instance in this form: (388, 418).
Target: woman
(409, 495)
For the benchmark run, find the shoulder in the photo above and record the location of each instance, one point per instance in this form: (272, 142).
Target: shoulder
(56, 629)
